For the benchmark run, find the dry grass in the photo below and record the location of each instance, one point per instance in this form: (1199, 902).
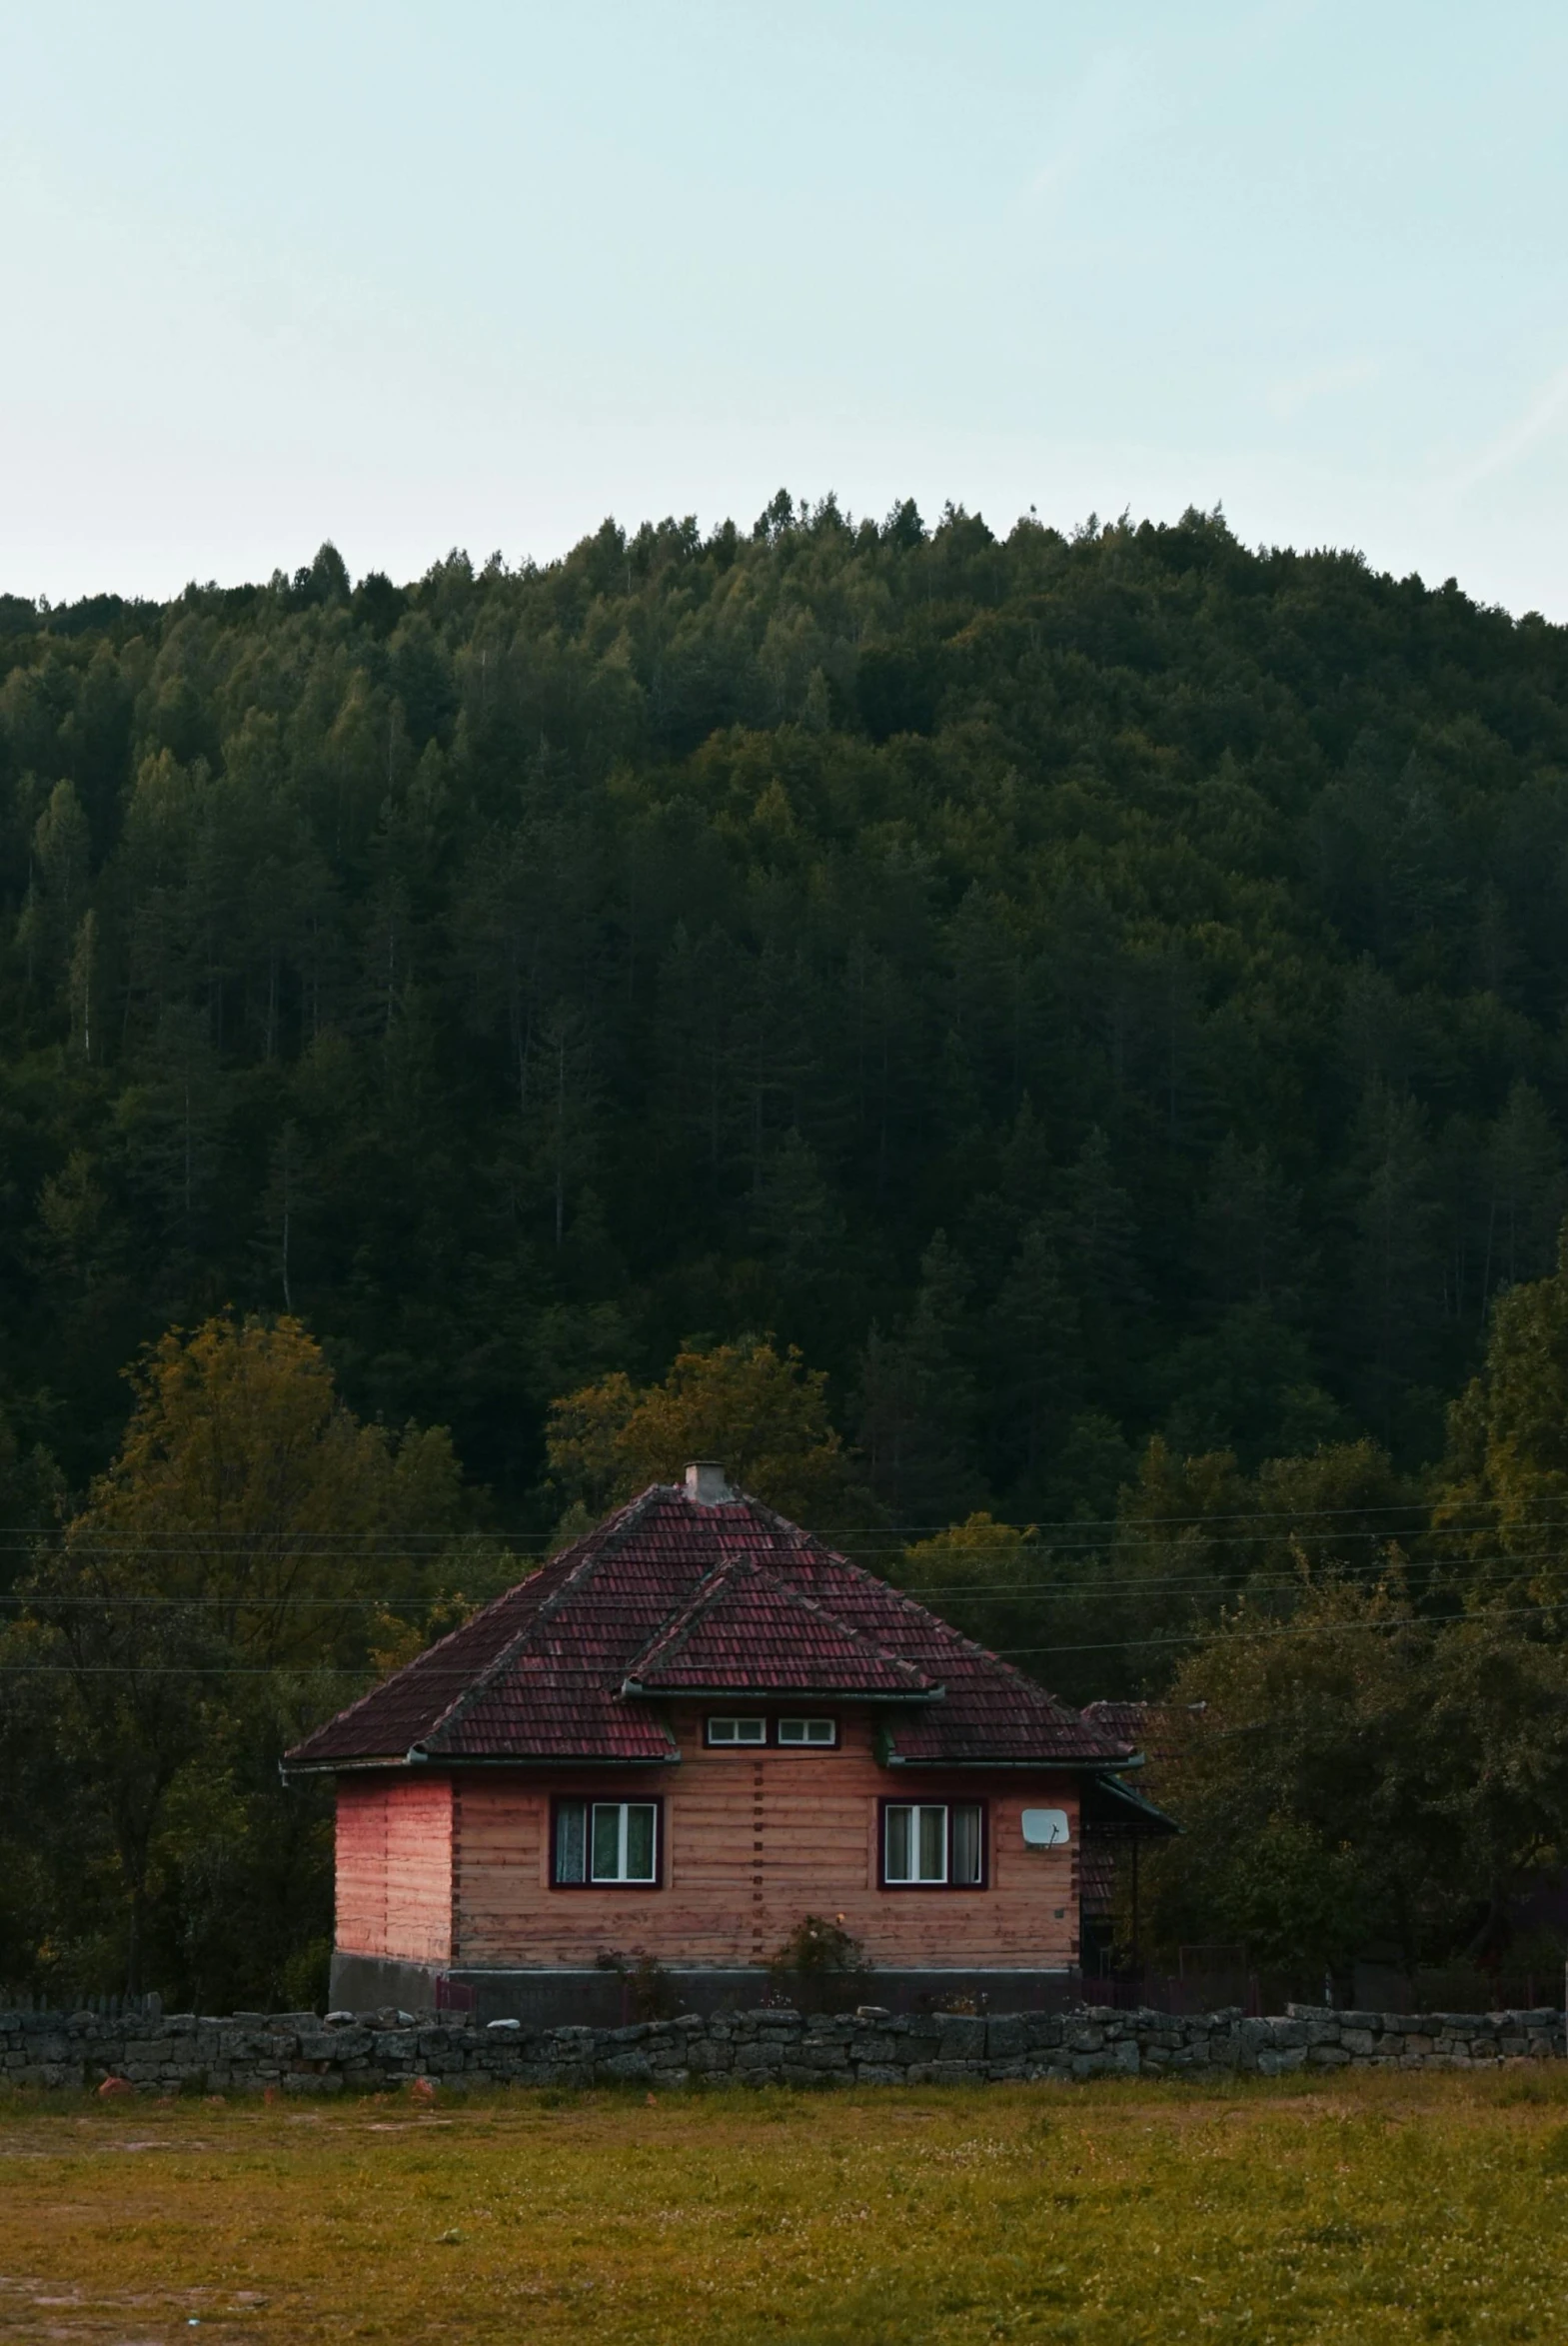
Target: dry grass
(1378, 2208)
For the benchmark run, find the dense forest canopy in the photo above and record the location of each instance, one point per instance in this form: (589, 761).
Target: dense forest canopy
(1048, 1055)
(1072, 988)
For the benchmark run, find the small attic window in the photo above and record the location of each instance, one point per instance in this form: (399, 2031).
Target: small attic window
(824, 1733)
(736, 1730)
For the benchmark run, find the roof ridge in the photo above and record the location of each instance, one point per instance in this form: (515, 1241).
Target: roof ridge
(683, 1624)
(1019, 1677)
(697, 1593)
(707, 1586)
(799, 1536)
(427, 1652)
(607, 1536)
(690, 1610)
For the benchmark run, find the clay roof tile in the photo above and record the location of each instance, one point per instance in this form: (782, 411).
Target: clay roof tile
(671, 1586)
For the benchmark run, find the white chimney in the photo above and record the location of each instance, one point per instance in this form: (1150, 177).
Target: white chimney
(704, 1482)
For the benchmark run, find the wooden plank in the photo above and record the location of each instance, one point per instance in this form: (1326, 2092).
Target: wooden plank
(725, 1899)
(394, 1869)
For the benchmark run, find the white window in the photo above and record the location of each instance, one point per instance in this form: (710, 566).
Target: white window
(738, 1730)
(606, 1842)
(933, 1846)
(820, 1732)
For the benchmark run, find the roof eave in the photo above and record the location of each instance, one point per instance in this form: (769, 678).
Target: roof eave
(417, 1759)
(421, 1756)
(1142, 1817)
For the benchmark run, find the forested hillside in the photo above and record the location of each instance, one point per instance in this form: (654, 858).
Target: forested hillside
(1070, 989)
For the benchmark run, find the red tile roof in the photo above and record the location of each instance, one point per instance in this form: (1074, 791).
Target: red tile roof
(746, 1631)
(668, 1584)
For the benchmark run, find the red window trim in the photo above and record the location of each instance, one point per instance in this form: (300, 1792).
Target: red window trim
(917, 1800)
(597, 1799)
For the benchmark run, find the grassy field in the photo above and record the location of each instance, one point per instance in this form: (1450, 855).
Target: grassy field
(1381, 2207)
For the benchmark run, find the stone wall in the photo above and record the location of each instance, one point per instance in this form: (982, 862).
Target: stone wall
(366, 2052)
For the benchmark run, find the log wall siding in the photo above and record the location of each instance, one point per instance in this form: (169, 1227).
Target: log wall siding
(394, 1866)
(754, 1841)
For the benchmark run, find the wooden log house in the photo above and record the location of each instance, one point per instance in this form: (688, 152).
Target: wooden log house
(690, 1730)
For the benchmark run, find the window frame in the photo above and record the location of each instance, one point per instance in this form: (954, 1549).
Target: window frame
(947, 1805)
(712, 1742)
(806, 1718)
(771, 1738)
(589, 1801)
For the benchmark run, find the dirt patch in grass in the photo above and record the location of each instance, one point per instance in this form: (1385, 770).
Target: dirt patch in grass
(1392, 2207)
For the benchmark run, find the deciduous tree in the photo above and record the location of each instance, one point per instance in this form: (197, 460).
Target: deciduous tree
(760, 1412)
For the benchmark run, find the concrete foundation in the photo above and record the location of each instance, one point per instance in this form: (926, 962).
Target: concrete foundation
(608, 1999)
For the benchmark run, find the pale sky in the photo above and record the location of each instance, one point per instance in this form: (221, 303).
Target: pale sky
(417, 276)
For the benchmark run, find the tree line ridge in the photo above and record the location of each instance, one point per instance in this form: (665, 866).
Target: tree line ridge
(1050, 1047)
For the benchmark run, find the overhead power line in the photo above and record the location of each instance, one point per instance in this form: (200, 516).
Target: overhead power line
(1396, 1621)
(103, 1551)
(179, 1669)
(1281, 1630)
(894, 1535)
(1482, 1567)
(1227, 1635)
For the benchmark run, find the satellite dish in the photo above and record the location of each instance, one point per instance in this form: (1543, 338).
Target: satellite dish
(1045, 1828)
